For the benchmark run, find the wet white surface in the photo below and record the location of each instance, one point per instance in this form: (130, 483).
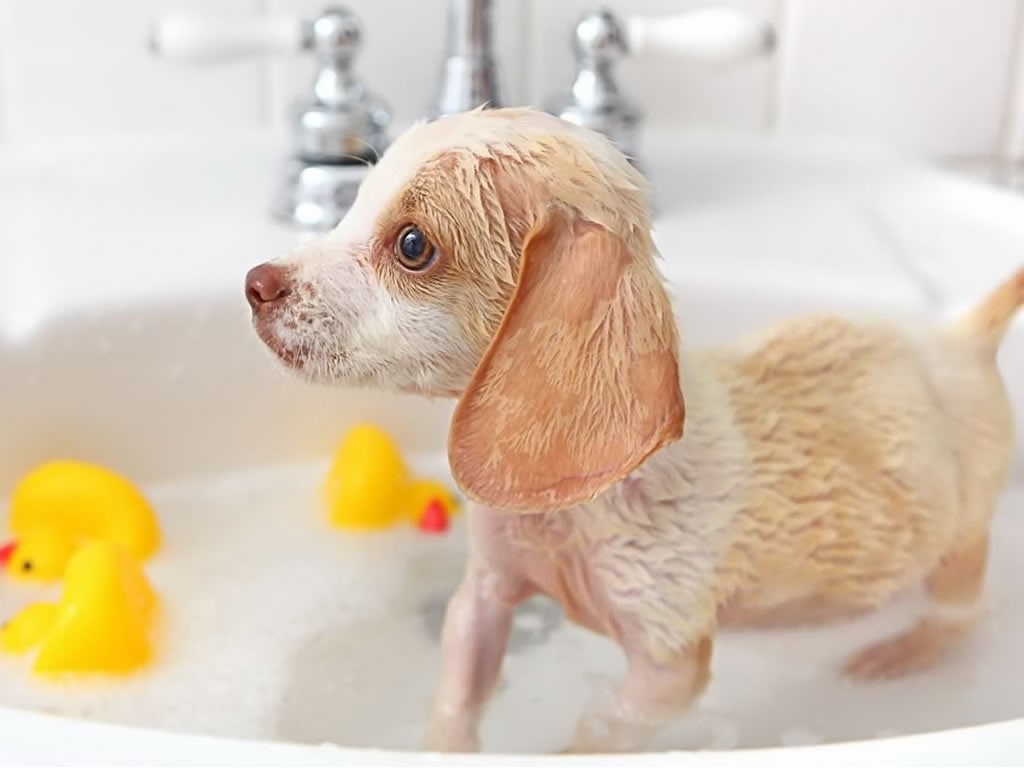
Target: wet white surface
(278, 627)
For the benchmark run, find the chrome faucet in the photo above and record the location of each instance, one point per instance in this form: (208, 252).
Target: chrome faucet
(469, 77)
(600, 38)
(339, 127)
(594, 99)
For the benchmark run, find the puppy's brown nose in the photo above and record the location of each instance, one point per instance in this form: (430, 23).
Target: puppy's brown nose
(265, 284)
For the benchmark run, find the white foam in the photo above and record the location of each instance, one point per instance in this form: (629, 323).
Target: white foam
(280, 627)
(800, 737)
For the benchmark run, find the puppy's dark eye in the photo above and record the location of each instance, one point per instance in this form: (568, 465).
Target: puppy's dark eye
(415, 252)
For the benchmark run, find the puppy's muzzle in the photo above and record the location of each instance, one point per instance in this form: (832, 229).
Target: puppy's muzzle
(266, 285)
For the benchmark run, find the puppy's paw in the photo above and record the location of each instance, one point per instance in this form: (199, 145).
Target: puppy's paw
(916, 650)
(450, 737)
(610, 735)
(451, 746)
(573, 749)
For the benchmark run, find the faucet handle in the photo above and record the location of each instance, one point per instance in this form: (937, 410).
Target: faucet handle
(339, 128)
(601, 39)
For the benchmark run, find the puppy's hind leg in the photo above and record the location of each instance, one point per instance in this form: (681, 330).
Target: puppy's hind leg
(955, 590)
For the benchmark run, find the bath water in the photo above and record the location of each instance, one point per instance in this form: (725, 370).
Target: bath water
(277, 626)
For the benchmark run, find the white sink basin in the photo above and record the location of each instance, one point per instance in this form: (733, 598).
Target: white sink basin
(124, 340)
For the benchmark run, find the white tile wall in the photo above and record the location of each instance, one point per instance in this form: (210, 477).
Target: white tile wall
(931, 75)
(81, 71)
(1013, 133)
(5, 9)
(939, 77)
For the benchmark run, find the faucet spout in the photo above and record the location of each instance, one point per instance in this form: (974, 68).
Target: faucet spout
(469, 76)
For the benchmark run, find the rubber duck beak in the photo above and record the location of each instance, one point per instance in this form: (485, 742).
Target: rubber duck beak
(6, 551)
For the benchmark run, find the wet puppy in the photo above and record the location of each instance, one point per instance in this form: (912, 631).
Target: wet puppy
(504, 258)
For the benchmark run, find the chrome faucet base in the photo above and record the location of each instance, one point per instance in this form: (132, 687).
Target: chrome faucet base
(315, 196)
(467, 83)
(337, 132)
(594, 99)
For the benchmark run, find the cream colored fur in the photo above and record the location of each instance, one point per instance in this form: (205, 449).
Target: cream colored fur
(825, 465)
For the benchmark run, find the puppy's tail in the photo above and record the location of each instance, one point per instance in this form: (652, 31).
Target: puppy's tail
(986, 322)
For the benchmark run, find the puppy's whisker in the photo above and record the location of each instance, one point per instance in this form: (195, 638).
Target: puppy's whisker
(369, 146)
(358, 159)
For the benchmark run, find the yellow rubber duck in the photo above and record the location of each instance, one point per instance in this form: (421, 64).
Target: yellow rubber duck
(369, 486)
(61, 504)
(103, 622)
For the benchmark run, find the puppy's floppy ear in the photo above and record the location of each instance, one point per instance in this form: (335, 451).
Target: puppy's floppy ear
(581, 382)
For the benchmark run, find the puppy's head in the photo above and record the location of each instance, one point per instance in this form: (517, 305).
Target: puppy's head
(503, 257)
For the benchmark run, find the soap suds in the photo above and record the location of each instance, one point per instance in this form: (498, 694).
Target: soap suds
(277, 626)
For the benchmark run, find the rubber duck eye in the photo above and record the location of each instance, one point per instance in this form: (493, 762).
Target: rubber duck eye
(415, 252)
(26, 566)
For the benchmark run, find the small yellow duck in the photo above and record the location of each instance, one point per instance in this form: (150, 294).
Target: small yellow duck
(60, 505)
(103, 623)
(369, 487)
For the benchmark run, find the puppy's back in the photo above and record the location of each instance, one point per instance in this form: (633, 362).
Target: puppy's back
(854, 469)
(872, 449)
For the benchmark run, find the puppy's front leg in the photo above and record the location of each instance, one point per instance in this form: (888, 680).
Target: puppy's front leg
(651, 695)
(476, 630)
